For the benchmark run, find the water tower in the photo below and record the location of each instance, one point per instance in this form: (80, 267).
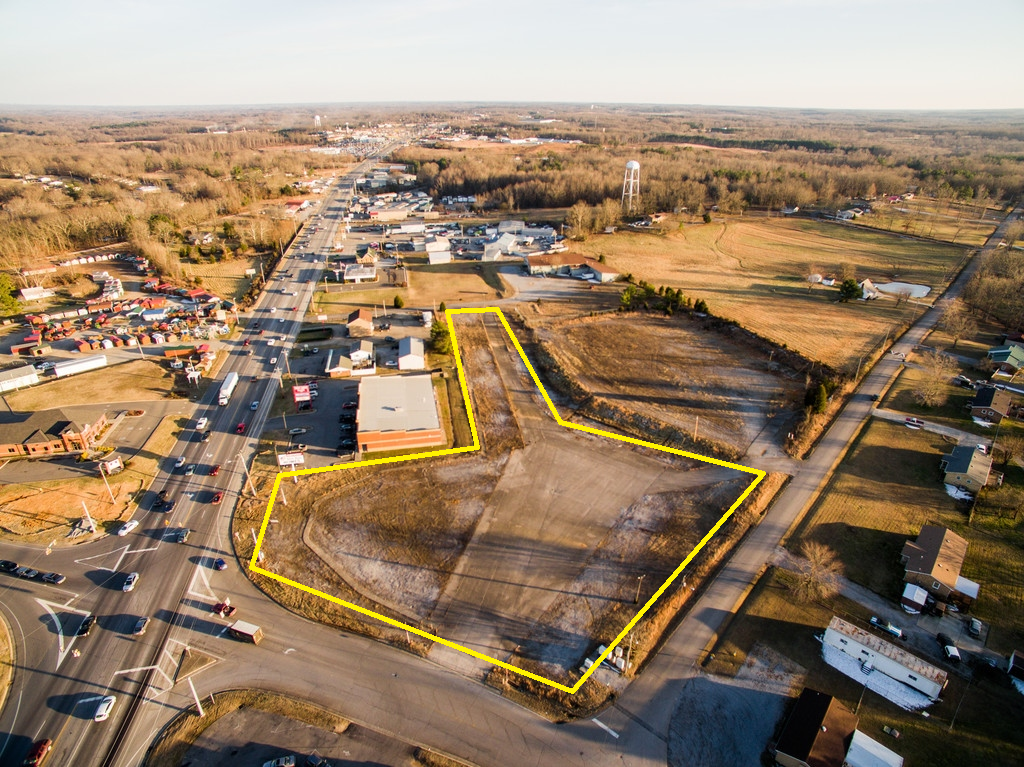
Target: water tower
(316, 122)
(631, 185)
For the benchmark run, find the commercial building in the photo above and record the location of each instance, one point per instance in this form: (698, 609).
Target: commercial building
(570, 265)
(49, 432)
(18, 378)
(397, 412)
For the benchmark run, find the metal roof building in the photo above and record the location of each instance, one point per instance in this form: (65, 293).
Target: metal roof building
(397, 412)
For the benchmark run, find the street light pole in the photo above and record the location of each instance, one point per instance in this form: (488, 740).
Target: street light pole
(104, 475)
(247, 474)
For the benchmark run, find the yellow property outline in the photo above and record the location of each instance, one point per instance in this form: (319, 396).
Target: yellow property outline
(254, 566)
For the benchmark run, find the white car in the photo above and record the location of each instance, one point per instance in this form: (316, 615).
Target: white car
(201, 423)
(179, 463)
(130, 582)
(104, 708)
(273, 309)
(255, 405)
(127, 527)
(273, 360)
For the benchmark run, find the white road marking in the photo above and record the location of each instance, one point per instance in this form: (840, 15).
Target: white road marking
(200, 574)
(62, 651)
(606, 728)
(144, 668)
(289, 650)
(124, 552)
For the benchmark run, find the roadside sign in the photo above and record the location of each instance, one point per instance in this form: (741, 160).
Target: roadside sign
(290, 459)
(301, 394)
(250, 272)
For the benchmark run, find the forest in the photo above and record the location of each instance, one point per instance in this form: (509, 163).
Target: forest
(731, 160)
(192, 179)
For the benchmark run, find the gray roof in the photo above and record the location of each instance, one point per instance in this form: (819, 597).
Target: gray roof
(397, 403)
(19, 372)
(966, 459)
(410, 345)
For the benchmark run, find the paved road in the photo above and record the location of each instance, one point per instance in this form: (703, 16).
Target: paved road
(60, 678)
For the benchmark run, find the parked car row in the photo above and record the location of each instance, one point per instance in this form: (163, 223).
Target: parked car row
(20, 571)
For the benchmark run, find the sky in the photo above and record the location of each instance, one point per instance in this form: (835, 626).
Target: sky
(829, 54)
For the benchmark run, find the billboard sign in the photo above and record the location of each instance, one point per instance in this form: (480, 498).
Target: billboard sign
(290, 459)
(301, 394)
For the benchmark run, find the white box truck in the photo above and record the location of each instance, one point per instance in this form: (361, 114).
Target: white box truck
(227, 388)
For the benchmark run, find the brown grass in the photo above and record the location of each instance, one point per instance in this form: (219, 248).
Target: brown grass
(753, 271)
(171, 745)
(430, 758)
(932, 219)
(227, 278)
(135, 381)
(677, 372)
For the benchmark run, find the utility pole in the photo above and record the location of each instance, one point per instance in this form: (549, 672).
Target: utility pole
(88, 518)
(104, 475)
(696, 423)
(639, 582)
(247, 474)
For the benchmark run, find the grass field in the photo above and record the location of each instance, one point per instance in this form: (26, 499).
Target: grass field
(176, 739)
(134, 381)
(754, 271)
(887, 487)
(987, 715)
(226, 278)
(923, 217)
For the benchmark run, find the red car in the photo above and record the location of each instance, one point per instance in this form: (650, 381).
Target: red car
(217, 498)
(38, 753)
(224, 610)
(245, 342)
(215, 470)
(240, 429)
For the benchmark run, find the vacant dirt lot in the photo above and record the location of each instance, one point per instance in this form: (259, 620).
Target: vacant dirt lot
(672, 370)
(753, 271)
(535, 542)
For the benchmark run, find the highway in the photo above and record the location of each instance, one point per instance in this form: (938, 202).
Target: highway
(60, 678)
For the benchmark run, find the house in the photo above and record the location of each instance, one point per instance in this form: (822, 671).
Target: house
(1016, 665)
(47, 432)
(360, 323)
(874, 654)
(966, 467)
(817, 733)
(821, 732)
(361, 354)
(337, 367)
(1008, 359)
(990, 404)
(845, 215)
(359, 273)
(934, 562)
(411, 354)
(868, 290)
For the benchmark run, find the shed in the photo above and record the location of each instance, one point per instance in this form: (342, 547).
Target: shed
(360, 323)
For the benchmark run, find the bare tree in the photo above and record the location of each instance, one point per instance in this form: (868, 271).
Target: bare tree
(579, 220)
(821, 575)
(957, 321)
(933, 387)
